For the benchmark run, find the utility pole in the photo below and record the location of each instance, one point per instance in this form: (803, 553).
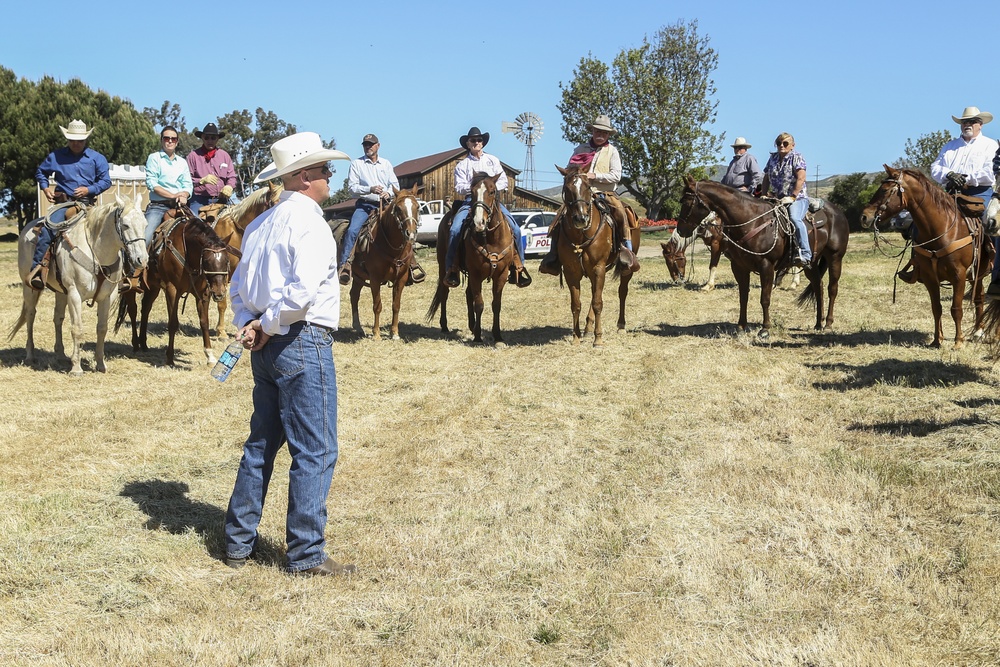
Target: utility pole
(816, 183)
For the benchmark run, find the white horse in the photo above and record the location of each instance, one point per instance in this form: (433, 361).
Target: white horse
(993, 213)
(86, 265)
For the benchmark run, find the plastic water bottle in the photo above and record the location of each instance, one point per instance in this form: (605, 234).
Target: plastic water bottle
(224, 366)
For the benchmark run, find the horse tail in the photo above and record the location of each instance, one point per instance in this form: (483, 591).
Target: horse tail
(122, 313)
(436, 301)
(20, 323)
(991, 326)
(808, 296)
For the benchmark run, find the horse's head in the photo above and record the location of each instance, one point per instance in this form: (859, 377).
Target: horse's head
(484, 200)
(675, 258)
(577, 196)
(693, 208)
(131, 228)
(405, 212)
(210, 258)
(887, 200)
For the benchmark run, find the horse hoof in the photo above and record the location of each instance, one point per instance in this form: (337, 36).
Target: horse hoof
(76, 373)
(500, 345)
(764, 334)
(396, 337)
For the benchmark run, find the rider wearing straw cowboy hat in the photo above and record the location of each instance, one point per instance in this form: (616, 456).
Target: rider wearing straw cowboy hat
(965, 165)
(286, 304)
(743, 172)
(81, 173)
(600, 159)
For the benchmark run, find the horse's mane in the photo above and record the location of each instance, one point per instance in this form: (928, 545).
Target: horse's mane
(209, 238)
(479, 177)
(237, 211)
(941, 198)
(96, 215)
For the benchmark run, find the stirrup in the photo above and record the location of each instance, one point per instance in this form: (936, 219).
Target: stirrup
(417, 274)
(34, 278)
(345, 274)
(550, 263)
(452, 278)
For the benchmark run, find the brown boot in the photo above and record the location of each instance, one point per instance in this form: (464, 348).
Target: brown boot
(550, 263)
(452, 277)
(521, 278)
(34, 278)
(627, 260)
(345, 273)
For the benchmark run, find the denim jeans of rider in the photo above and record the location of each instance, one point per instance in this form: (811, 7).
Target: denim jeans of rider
(797, 212)
(358, 219)
(456, 230)
(198, 201)
(154, 216)
(294, 402)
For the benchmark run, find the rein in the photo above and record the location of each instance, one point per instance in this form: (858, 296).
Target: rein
(492, 257)
(723, 224)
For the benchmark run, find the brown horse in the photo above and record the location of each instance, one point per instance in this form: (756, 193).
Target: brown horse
(229, 226)
(949, 247)
(385, 258)
(488, 250)
(710, 232)
(188, 257)
(588, 246)
(758, 240)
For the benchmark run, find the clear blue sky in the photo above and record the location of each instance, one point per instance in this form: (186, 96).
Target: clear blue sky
(850, 80)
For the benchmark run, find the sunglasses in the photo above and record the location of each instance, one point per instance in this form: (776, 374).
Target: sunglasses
(474, 140)
(783, 143)
(168, 138)
(971, 121)
(326, 171)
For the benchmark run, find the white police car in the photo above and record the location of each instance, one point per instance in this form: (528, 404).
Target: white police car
(534, 230)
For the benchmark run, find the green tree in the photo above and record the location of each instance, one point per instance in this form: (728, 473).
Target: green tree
(659, 97)
(920, 154)
(851, 193)
(30, 116)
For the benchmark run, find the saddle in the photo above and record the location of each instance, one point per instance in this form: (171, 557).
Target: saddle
(367, 235)
(971, 207)
(210, 212)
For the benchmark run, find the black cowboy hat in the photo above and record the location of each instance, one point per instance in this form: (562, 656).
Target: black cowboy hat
(474, 132)
(209, 129)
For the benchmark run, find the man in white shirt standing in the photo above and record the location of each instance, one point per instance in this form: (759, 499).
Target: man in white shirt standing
(286, 304)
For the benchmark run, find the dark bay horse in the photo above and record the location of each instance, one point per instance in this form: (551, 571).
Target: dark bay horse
(758, 242)
(229, 226)
(949, 248)
(87, 266)
(488, 251)
(588, 246)
(385, 258)
(188, 258)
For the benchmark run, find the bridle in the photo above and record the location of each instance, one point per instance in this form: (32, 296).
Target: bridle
(897, 189)
(403, 222)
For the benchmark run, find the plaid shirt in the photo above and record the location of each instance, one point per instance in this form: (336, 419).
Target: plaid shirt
(780, 172)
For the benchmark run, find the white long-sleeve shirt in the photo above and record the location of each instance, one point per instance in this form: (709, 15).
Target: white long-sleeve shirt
(364, 174)
(468, 166)
(288, 272)
(972, 158)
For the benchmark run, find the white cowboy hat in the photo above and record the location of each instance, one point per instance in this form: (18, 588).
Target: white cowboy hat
(973, 112)
(602, 122)
(740, 143)
(78, 130)
(297, 152)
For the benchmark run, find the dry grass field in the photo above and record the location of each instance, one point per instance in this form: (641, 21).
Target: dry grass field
(683, 496)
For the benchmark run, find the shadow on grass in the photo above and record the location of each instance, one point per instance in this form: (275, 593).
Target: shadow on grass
(918, 427)
(169, 508)
(915, 374)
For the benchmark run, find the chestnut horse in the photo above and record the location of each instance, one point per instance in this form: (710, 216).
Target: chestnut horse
(87, 265)
(588, 246)
(949, 247)
(385, 258)
(189, 258)
(229, 226)
(758, 241)
(488, 250)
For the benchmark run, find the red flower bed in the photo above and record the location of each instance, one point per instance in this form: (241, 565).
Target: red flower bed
(646, 223)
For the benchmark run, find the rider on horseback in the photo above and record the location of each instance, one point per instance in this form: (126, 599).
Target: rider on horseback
(212, 171)
(168, 179)
(785, 174)
(478, 161)
(600, 158)
(81, 173)
(372, 181)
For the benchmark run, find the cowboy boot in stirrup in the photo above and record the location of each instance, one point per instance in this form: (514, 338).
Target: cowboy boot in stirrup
(345, 273)
(417, 274)
(550, 263)
(627, 260)
(34, 278)
(452, 278)
(519, 277)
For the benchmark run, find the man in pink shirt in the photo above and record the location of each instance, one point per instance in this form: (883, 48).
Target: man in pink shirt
(212, 171)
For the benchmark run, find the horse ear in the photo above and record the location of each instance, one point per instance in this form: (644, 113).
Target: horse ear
(561, 170)
(395, 190)
(119, 202)
(496, 178)
(887, 168)
(688, 180)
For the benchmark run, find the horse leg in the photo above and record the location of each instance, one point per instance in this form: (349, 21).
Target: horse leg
(220, 328)
(474, 303)
(979, 295)
(173, 323)
(75, 304)
(397, 301)
(58, 317)
(128, 303)
(833, 288)
(622, 296)
(498, 284)
(766, 286)
(443, 292)
(743, 283)
(934, 291)
(29, 307)
(148, 297)
(356, 286)
(206, 337)
(713, 264)
(376, 309)
(573, 283)
(103, 311)
(957, 301)
(597, 302)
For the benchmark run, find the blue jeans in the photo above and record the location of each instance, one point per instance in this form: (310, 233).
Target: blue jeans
(456, 230)
(797, 212)
(45, 236)
(197, 201)
(294, 401)
(358, 219)
(154, 216)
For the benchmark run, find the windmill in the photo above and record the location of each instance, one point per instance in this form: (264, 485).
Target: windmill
(527, 128)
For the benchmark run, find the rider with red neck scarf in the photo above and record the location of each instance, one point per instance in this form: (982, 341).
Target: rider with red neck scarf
(600, 159)
(212, 171)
